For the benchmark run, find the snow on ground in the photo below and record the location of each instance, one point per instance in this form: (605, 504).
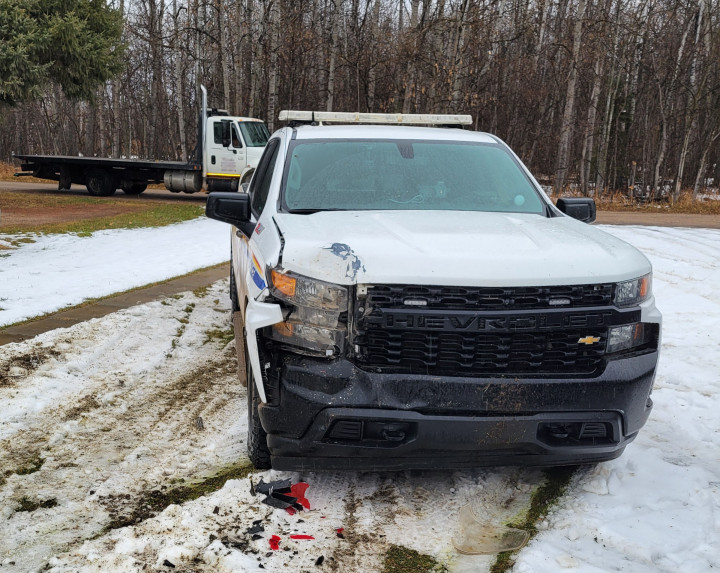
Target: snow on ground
(656, 508)
(111, 406)
(61, 270)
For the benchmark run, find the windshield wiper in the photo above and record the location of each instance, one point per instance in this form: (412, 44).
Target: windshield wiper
(311, 211)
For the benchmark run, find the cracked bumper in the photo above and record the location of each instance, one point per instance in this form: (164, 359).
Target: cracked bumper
(332, 415)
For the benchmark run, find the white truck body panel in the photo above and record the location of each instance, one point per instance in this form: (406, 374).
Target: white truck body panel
(454, 248)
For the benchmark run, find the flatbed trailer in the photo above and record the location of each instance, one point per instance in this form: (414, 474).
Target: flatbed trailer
(101, 174)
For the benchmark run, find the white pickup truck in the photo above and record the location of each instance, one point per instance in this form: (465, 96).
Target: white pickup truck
(409, 297)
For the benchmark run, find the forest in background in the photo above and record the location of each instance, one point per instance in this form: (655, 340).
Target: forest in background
(597, 95)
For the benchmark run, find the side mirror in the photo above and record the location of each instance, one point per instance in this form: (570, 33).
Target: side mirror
(233, 208)
(225, 133)
(580, 208)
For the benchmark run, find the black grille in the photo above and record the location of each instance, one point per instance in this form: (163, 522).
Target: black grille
(460, 353)
(487, 298)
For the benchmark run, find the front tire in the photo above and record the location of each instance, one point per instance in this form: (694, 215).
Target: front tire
(233, 288)
(258, 451)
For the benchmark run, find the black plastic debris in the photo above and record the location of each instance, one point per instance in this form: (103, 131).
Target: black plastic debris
(167, 563)
(282, 494)
(257, 528)
(281, 486)
(319, 561)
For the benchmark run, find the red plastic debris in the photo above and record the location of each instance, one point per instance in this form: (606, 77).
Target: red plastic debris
(291, 510)
(340, 529)
(275, 542)
(301, 537)
(298, 490)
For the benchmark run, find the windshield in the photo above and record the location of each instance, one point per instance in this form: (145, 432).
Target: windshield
(404, 174)
(255, 133)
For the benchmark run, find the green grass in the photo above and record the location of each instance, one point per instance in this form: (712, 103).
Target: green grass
(90, 214)
(28, 504)
(223, 336)
(153, 502)
(153, 216)
(399, 559)
(32, 466)
(542, 500)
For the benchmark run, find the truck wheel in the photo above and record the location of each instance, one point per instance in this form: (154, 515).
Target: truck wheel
(134, 189)
(101, 184)
(257, 449)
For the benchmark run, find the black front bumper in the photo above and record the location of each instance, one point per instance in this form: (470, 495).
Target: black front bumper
(332, 415)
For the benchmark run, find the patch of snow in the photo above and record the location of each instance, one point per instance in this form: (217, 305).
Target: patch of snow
(56, 271)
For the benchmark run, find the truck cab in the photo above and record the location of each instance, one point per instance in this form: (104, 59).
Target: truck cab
(408, 297)
(233, 146)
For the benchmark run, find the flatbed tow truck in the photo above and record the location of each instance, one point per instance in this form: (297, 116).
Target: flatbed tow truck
(228, 151)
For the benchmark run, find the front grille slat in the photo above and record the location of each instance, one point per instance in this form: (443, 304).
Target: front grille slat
(491, 298)
(460, 354)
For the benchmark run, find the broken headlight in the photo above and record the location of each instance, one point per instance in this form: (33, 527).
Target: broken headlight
(304, 291)
(315, 308)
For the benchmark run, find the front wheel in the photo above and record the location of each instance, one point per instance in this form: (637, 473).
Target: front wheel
(258, 451)
(233, 288)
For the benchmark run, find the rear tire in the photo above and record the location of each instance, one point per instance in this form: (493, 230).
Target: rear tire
(101, 183)
(257, 448)
(134, 189)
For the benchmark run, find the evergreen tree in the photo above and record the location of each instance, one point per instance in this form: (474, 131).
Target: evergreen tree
(74, 43)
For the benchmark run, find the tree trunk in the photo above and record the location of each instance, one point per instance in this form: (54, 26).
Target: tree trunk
(563, 158)
(272, 84)
(589, 139)
(179, 84)
(373, 57)
(410, 69)
(335, 23)
(691, 108)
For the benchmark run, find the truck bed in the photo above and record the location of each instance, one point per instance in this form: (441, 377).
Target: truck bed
(51, 166)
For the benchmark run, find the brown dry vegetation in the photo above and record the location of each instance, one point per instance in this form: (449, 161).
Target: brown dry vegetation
(59, 213)
(8, 170)
(620, 202)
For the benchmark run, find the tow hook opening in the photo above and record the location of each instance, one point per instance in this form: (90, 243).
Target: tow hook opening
(371, 433)
(576, 433)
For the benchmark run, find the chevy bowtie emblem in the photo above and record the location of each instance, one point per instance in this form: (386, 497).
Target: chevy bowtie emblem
(589, 340)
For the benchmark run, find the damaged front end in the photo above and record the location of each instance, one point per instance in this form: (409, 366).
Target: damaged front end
(393, 377)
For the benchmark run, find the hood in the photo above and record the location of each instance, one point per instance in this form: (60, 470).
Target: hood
(453, 248)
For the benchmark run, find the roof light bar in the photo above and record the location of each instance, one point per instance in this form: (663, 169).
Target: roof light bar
(376, 118)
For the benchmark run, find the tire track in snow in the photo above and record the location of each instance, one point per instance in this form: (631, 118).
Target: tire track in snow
(119, 420)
